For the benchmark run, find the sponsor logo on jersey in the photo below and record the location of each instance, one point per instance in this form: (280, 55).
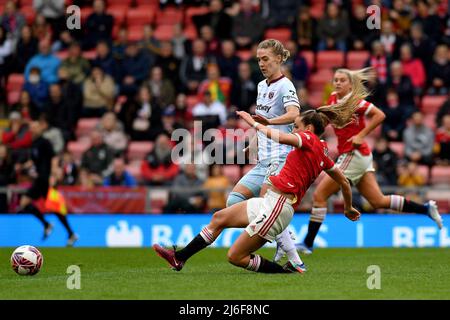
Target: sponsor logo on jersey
(263, 108)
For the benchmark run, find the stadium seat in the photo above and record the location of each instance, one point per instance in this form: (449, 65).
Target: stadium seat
(247, 168)
(357, 59)
(169, 16)
(90, 55)
(147, 2)
(15, 82)
(77, 148)
(135, 32)
(13, 97)
(137, 150)
(431, 104)
(233, 172)
(318, 79)
(119, 13)
(245, 55)
(164, 32)
(330, 59)
(281, 34)
(194, 11)
(126, 3)
(191, 101)
(317, 10)
(139, 17)
(440, 175)
(309, 57)
(26, 3)
(190, 32)
(29, 14)
(62, 55)
(315, 99)
(134, 168)
(158, 199)
(85, 13)
(398, 148)
(85, 126)
(430, 120)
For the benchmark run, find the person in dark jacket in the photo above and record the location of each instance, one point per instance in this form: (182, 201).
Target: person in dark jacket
(99, 25)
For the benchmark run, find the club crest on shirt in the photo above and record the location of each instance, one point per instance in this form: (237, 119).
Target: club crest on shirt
(271, 95)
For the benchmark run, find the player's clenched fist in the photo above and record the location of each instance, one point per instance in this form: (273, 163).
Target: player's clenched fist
(352, 214)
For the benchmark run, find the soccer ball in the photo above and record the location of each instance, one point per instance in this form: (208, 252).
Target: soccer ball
(26, 260)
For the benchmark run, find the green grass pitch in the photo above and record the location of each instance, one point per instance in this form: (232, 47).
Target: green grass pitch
(420, 273)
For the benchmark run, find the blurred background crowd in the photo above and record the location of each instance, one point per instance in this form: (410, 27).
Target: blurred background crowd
(109, 95)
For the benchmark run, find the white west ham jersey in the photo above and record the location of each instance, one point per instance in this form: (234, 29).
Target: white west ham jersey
(271, 103)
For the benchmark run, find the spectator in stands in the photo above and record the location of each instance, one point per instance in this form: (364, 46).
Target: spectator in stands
(427, 17)
(333, 29)
(99, 25)
(418, 140)
(72, 96)
(26, 107)
(389, 39)
(113, 133)
(7, 175)
(228, 61)
(149, 44)
(303, 99)
(218, 86)
(86, 180)
(208, 107)
(257, 75)
(360, 37)
(161, 89)
(217, 185)
(193, 67)
(244, 89)
(134, 69)
(379, 61)
(422, 47)
(27, 47)
(211, 41)
(17, 136)
(64, 42)
(182, 115)
(12, 21)
(104, 59)
(297, 65)
(281, 13)
(396, 116)
(42, 29)
(98, 158)
(217, 18)
(385, 161)
(37, 88)
(168, 120)
(169, 63)
(59, 111)
(443, 110)
(305, 29)
(190, 198)
(141, 116)
(439, 72)
(120, 176)
(179, 42)
(401, 15)
(77, 66)
(6, 51)
(98, 93)
(54, 12)
(68, 169)
(52, 134)
(120, 44)
(248, 26)
(46, 62)
(158, 168)
(410, 176)
(401, 83)
(443, 141)
(413, 68)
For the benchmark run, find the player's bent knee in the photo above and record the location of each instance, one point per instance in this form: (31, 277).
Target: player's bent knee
(234, 258)
(235, 197)
(379, 203)
(319, 200)
(219, 218)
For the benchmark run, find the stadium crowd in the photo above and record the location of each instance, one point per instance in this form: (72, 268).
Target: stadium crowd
(110, 94)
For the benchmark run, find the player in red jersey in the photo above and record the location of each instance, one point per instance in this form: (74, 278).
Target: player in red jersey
(355, 159)
(265, 218)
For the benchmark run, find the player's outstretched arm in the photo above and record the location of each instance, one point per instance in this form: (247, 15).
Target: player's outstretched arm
(274, 134)
(291, 113)
(350, 212)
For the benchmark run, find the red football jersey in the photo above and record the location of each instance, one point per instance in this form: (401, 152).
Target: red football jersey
(303, 165)
(353, 128)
